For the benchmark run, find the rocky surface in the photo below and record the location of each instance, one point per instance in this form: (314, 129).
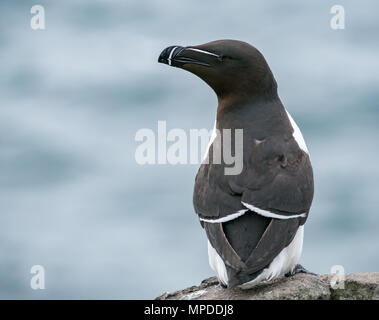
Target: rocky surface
(356, 286)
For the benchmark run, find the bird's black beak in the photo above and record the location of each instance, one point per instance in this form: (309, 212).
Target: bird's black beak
(177, 56)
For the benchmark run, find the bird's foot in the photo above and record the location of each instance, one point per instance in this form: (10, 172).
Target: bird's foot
(299, 269)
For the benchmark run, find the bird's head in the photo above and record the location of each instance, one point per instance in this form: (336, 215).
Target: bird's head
(229, 67)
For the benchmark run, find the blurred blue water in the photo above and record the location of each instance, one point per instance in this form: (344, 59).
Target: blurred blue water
(72, 97)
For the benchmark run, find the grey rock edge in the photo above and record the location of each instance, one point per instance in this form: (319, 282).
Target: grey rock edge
(357, 286)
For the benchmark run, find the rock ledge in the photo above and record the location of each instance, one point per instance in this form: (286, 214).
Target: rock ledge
(357, 286)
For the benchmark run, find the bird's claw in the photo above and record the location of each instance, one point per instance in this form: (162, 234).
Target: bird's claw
(299, 269)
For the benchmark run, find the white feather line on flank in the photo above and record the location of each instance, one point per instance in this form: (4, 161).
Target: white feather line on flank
(297, 134)
(283, 263)
(217, 264)
(270, 214)
(213, 137)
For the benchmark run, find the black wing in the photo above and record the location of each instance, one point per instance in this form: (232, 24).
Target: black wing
(277, 177)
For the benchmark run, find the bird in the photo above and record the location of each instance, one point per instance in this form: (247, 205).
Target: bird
(254, 219)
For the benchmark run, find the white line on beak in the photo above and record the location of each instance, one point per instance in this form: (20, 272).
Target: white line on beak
(170, 56)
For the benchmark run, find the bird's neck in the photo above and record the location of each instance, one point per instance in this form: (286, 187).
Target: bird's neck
(234, 102)
(241, 112)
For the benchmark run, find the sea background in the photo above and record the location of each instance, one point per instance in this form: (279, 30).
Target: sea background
(72, 96)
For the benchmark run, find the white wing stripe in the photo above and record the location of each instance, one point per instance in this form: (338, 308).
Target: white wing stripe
(270, 214)
(227, 218)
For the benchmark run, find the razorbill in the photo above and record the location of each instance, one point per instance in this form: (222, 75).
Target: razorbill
(254, 220)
